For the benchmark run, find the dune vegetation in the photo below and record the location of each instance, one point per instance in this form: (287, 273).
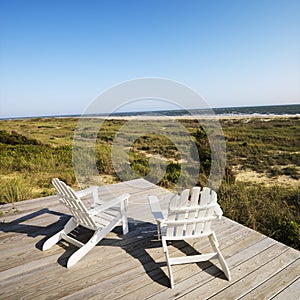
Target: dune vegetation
(260, 189)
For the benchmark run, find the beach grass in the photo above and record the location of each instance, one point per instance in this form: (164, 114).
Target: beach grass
(261, 187)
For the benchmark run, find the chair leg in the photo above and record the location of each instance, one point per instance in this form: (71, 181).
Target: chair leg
(125, 225)
(81, 252)
(224, 265)
(215, 245)
(70, 225)
(158, 230)
(124, 218)
(93, 241)
(165, 248)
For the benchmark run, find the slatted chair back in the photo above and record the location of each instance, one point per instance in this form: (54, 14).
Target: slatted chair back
(75, 205)
(190, 216)
(191, 213)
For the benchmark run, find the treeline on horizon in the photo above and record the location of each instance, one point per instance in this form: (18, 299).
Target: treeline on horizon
(33, 151)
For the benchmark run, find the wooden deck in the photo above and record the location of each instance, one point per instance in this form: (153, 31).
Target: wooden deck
(133, 267)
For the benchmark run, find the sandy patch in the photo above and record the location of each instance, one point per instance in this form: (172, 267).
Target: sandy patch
(261, 178)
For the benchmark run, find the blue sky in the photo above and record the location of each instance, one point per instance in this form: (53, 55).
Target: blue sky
(57, 56)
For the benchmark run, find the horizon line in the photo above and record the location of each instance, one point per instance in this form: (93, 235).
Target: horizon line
(140, 112)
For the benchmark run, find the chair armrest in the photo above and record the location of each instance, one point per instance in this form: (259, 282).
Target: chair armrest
(155, 208)
(88, 191)
(106, 205)
(218, 211)
(91, 190)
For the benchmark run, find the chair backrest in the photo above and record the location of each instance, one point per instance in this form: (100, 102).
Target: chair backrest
(75, 205)
(191, 213)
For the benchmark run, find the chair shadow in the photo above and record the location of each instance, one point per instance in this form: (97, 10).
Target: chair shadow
(206, 266)
(141, 237)
(35, 230)
(145, 238)
(136, 242)
(140, 234)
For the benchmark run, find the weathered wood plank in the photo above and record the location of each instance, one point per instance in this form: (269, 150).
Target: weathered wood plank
(131, 248)
(185, 280)
(276, 283)
(136, 277)
(290, 292)
(264, 270)
(133, 267)
(106, 259)
(207, 286)
(31, 228)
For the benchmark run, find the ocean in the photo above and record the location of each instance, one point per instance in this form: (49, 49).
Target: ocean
(290, 109)
(268, 110)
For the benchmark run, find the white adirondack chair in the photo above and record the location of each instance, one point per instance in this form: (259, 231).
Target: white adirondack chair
(189, 216)
(100, 217)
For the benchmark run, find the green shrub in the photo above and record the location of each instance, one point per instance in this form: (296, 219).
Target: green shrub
(271, 210)
(33, 151)
(286, 231)
(14, 190)
(14, 138)
(140, 167)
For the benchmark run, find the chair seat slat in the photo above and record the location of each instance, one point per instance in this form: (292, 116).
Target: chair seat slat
(192, 259)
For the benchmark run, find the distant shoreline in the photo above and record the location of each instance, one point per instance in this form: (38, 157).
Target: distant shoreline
(191, 117)
(163, 117)
(271, 111)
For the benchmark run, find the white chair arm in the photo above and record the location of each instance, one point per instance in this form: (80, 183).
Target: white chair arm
(106, 205)
(155, 208)
(218, 211)
(88, 191)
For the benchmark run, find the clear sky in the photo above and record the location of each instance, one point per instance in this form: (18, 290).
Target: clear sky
(57, 56)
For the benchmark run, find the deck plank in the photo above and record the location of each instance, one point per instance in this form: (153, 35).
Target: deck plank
(135, 281)
(276, 283)
(291, 292)
(264, 269)
(133, 266)
(185, 284)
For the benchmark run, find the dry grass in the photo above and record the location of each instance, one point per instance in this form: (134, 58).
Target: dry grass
(260, 189)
